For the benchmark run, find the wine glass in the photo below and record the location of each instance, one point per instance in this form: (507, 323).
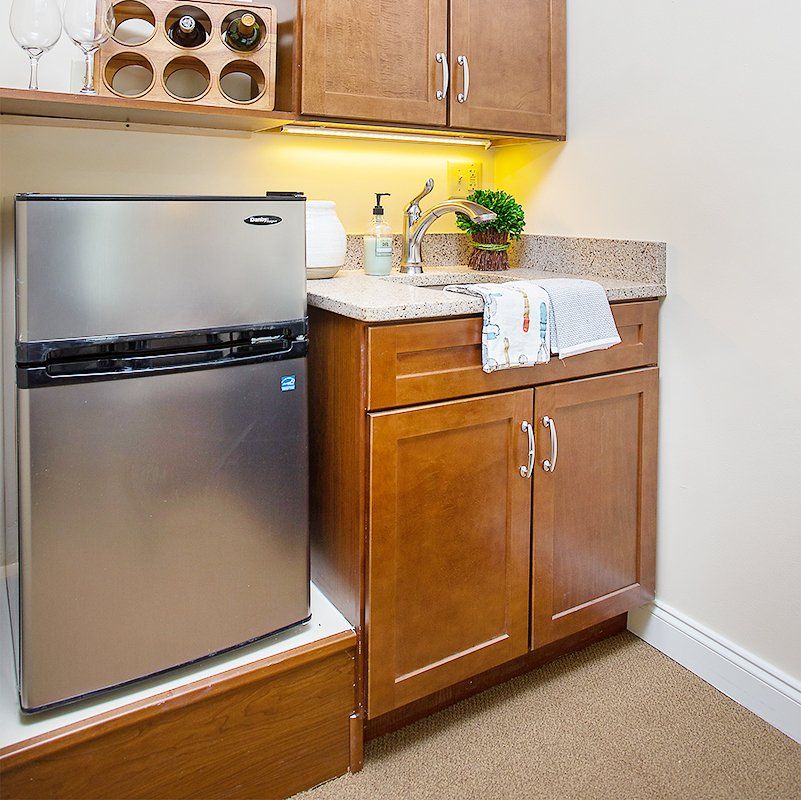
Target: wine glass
(36, 27)
(89, 23)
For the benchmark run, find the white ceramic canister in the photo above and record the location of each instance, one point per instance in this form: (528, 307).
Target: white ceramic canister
(326, 241)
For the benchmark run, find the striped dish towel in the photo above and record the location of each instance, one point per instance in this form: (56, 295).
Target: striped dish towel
(580, 318)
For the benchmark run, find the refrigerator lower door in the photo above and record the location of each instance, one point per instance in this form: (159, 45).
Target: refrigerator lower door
(162, 519)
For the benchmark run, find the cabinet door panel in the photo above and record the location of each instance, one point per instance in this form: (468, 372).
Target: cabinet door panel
(374, 60)
(595, 514)
(449, 545)
(515, 52)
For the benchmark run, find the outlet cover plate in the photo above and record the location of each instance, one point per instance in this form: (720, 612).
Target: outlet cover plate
(463, 177)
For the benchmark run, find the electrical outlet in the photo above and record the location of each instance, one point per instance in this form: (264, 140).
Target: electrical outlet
(463, 177)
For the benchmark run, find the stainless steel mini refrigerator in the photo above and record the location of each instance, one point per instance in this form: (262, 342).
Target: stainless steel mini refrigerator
(161, 434)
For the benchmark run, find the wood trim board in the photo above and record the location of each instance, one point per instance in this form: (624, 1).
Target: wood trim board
(412, 363)
(267, 729)
(393, 720)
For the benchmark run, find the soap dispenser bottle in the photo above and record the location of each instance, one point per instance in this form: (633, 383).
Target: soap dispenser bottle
(378, 242)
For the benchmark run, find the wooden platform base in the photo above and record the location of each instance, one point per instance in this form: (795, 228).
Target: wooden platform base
(268, 730)
(412, 712)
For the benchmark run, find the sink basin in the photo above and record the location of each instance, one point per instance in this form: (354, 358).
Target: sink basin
(434, 277)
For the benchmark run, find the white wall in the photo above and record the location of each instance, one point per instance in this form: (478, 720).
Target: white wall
(684, 125)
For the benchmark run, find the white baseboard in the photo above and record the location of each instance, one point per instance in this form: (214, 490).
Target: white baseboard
(769, 693)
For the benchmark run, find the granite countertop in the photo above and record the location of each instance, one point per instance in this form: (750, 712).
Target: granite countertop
(394, 297)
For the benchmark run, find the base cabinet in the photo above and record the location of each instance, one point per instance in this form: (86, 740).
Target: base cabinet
(451, 534)
(449, 544)
(594, 520)
(461, 561)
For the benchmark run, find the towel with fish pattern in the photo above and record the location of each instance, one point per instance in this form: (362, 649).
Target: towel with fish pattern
(516, 331)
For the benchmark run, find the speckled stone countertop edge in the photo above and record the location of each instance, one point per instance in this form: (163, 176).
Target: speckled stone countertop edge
(395, 297)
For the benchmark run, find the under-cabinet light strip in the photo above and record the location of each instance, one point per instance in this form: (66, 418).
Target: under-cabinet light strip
(351, 133)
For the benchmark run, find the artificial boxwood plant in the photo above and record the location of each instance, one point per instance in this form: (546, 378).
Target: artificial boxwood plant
(490, 240)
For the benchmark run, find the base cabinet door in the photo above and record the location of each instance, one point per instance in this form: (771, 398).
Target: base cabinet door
(594, 517)
(449, 544)
(375, 61)
(508, 66)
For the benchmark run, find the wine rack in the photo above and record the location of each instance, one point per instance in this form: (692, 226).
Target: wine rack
(141, 61)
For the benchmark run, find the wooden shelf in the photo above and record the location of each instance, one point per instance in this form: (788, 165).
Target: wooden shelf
(64, 106)
(60, 105)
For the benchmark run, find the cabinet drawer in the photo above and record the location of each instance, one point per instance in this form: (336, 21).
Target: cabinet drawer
(419, 362)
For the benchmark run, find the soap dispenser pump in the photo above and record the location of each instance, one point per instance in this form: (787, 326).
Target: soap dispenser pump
(378, 241)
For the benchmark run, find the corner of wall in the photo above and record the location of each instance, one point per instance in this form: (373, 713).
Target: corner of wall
(745, 678)
(522, 169)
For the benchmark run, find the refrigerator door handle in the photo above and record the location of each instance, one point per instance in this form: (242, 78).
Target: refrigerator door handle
(116, 368)
(257, 340)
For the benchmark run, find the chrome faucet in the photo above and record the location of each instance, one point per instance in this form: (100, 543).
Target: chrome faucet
(415, 224)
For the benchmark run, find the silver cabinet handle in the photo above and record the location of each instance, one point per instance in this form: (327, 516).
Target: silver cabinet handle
(528, 471)
(465, 65)
(549, 465)
(442, 93)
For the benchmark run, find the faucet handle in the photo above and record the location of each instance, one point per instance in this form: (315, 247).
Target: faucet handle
(427, 189)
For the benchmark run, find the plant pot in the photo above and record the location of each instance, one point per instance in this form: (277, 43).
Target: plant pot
(490, 260)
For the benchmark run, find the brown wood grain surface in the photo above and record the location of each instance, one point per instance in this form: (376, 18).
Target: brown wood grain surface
(338, 458)
(420, 362)
(265, 730)
(338, 476)
(289, 29)
(516, 53)
(405, 715)
(449, 545)
(141, 111)
(594, 522)
(372, 60)
(40, 107)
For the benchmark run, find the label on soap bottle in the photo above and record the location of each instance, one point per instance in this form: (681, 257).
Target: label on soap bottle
(383, 245)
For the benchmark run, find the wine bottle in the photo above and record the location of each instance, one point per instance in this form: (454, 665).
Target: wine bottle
(186, 32)
(243, 32)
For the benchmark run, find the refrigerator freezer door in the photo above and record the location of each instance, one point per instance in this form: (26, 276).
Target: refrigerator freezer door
(107, 267)
(161, 519)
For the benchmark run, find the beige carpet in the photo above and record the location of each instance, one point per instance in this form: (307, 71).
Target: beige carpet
(617, 721)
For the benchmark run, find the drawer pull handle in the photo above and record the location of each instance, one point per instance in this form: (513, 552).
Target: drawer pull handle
(465, 65)
(442, 93)
(549, 465)
(527, 472)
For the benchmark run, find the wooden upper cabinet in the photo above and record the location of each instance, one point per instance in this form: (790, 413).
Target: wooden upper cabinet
(594, 515)
(374, 60)
(514, 51)
(449, 545)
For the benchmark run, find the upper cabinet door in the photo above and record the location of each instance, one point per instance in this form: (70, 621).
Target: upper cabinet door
(449, 545)
(508, 66)
(374, 60)
(594, 501)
